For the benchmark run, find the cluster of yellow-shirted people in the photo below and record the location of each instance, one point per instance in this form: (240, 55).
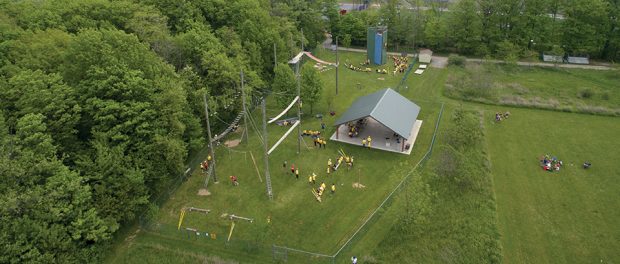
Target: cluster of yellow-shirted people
(367, 142)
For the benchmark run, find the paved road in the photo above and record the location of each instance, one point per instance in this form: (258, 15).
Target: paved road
(545, 64)
(441, 62)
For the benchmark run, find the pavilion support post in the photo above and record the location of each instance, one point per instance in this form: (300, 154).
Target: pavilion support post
(403, 146)
(337, 131)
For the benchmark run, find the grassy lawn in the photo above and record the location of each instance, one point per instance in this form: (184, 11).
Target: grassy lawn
(296, 219)
(566, 217)
(572, 90)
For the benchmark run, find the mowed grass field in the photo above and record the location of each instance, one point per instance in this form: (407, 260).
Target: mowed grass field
(296, 219)
(568, 90)
(570, 216)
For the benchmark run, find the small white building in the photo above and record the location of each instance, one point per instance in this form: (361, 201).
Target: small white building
(425, 56)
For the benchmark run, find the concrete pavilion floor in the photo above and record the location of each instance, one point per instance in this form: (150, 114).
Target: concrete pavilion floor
(382, 137)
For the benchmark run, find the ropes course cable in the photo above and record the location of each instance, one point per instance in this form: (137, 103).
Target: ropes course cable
(273, 119)
(230, 127)
(253, 125)
(283, 137)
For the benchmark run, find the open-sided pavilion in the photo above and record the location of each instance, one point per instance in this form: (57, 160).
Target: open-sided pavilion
(387, 117)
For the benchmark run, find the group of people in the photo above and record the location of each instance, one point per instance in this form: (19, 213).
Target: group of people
(204, 165)
(367, 142)
(334, 166)
(550, 163)
(354, 128)
(322, 186)
(499, 116)
(355, 68)
(382, 71)
(294, 170)
(320, 142)
(312, 133)
(400, 64)
(286, 122)
(316, 136)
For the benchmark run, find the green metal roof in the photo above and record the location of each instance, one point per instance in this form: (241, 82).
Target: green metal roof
(387, 107)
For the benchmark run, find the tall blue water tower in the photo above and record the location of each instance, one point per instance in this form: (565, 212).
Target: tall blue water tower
(376, 45)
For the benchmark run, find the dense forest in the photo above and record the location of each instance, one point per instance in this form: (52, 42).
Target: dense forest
(101, 104)
(498, 28)
(101, 100)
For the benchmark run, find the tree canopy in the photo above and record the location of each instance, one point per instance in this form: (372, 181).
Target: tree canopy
(101, 104)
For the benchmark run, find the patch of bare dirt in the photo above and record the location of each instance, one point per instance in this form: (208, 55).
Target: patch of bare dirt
(232, 143)
(203, 192)
(358, 185)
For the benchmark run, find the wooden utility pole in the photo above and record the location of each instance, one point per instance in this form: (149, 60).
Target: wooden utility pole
(265, 139)
(211, 152)
(298, 106)
(337, 65)
(245, 111)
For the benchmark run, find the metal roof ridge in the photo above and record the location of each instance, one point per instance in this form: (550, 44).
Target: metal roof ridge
(385, 91)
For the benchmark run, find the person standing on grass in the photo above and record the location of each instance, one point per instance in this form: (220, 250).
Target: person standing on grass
(329, 166)
(234, 181)
(313, 178)
(333, 188)
(293, 168)
(204, 165)
(284, 165)
(297, 173)
(354, 260)
(310, 179)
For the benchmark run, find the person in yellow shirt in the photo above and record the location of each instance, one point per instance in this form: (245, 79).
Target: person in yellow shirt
(310, 179)
(313, 177)
(323, 185)
(369, 139)
(329, 166)
(364, 142)
(333, 188)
